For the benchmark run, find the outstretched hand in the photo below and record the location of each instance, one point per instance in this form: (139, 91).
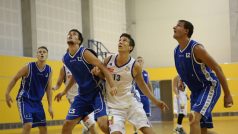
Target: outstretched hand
(8, 100)
(162, 105)
(59, 96)
(51, 113)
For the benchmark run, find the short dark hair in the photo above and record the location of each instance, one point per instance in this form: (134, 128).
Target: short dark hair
(132, 42)
(80, 36)
(43, 47)
(188, 25)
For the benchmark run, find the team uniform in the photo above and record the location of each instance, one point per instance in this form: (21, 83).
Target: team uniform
(181, 101)
(89, 96)
(125, 105)
(31, 92)
(204, 85)
(144, 99)
(73, 91)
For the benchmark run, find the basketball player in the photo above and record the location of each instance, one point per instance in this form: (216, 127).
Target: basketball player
(194, 66)
(124, 106)
(80, 61)
(64, 76)
(144, 99)
(36, 80)
(179, 89)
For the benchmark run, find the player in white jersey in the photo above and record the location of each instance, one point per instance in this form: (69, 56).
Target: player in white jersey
(124, 106)
(181, 98)
(64, 76)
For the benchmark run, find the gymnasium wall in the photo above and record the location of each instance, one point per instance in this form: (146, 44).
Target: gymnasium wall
(10, 65)
(155, 20)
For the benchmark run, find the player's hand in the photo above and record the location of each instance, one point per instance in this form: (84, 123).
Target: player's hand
(113, 91)
(95, 71)
(51, 112)
(162, 105)
(59, 96)
(8, 100)
(55, 87)
(228, 101)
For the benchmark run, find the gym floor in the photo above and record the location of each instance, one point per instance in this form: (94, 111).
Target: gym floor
(223, 125)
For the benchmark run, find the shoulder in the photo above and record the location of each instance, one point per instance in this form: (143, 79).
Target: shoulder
(136, 69)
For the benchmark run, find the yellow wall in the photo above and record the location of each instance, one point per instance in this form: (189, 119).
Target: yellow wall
(230, 70)
(9, 65)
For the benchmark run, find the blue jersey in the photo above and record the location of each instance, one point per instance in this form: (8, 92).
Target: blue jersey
(81, 71)
(146, 79)
(34, 85)
(196, 75)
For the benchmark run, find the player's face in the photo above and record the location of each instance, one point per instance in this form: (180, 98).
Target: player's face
(42, 54)
(140, 61)
(73, 38)
(124, 44)
(179, 30)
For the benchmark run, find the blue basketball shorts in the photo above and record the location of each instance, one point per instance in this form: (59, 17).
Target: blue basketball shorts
(83, 105)
(31, 111)
(204, 102)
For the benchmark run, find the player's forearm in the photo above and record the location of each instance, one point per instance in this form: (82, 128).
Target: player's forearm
(69, 85)
(222, 80)
(145, 90)
(11, 85)
(49, 97)
(108, 77)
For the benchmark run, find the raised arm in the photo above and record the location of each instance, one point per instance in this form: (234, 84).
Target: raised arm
(60, 79)
(67, 87)
(137, 73)
(23, 72)
(202, 55)
(91, 59)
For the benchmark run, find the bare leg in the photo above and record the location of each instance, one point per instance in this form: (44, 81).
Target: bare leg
(92, 129)
(194, 119)
(103, 124)
(69, 125)
(26, 128)
(147, 130)
(43, 129)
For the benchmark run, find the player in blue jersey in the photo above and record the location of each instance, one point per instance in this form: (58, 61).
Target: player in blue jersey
(36, 80)
(80, 61)
(64, 77)
(195, 67)
(144, 99)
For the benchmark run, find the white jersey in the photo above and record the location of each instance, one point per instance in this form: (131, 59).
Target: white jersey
(124, 82)
(73, 91)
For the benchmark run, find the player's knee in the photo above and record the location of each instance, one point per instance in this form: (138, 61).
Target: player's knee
(103, 126)
(103, 122)
(194, 118)
(68, 124)
(27, 126)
